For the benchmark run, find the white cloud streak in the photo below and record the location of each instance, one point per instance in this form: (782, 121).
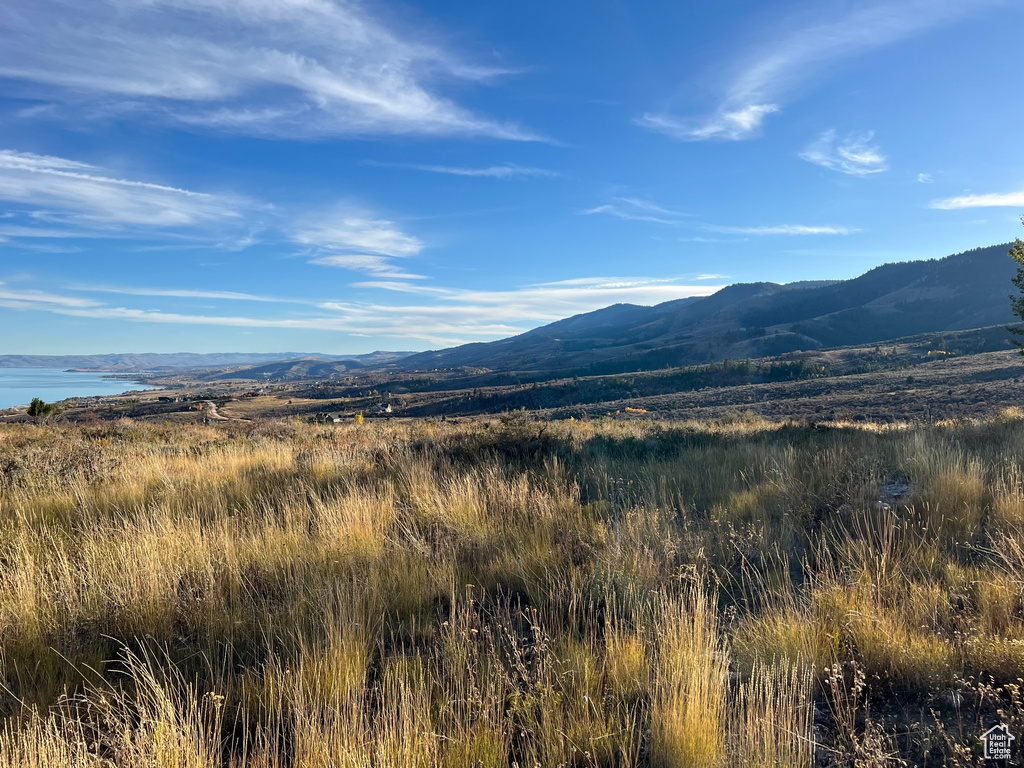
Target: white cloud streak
(288, 68)
(785, 229)
(991, 200)
(71, 191)
(727, 124)
(371, 264)
(702, 239)
(30, 298)
(66, 198)
(636, 209)
(853, 155)
(647, 205)
(504, 171)
(354, 240)
(357, 231)
(764, 81)
(183, 293)
(22, 231)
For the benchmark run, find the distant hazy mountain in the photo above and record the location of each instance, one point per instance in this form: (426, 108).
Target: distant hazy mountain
(155, 362)
(967, 290)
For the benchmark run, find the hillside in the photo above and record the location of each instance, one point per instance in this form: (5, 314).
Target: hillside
(303, 368)
(959, 292)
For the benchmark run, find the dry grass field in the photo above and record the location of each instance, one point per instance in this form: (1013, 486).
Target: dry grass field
(509, 593)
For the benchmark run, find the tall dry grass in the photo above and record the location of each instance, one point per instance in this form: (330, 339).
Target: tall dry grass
(506, 593)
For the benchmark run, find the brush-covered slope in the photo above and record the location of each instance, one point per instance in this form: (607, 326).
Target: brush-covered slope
(313, 367)
(967, 290)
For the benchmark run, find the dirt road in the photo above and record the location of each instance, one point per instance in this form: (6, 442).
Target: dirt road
(212, 413)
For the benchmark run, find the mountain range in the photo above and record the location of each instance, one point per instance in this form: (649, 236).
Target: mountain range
(747, 320)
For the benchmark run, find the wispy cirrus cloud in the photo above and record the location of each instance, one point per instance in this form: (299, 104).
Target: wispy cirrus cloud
(925, 178)
(371, 264)
(60, 198)
(357, 241)
(59, 190)
(19, 231)
(637, 209)
(763, 81)
(182, 293)
(349, 230)
(990, 200)
(646, 205)
(502, 171)
(727, 124)
(31, 299)
(853, 154)
(785, 229)
(295, 68)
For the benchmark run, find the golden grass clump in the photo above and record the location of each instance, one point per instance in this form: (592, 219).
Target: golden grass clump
(773, 723)
(689, 707)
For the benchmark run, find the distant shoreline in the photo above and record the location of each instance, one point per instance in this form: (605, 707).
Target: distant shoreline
(19, 386)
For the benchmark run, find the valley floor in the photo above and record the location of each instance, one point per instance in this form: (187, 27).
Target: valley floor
(510, 592)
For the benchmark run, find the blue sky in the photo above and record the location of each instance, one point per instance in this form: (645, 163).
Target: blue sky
(318, 175)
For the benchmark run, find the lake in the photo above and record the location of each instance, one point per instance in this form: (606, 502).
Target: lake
(19, 385)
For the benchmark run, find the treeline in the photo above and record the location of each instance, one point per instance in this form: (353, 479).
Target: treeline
(731, 373)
